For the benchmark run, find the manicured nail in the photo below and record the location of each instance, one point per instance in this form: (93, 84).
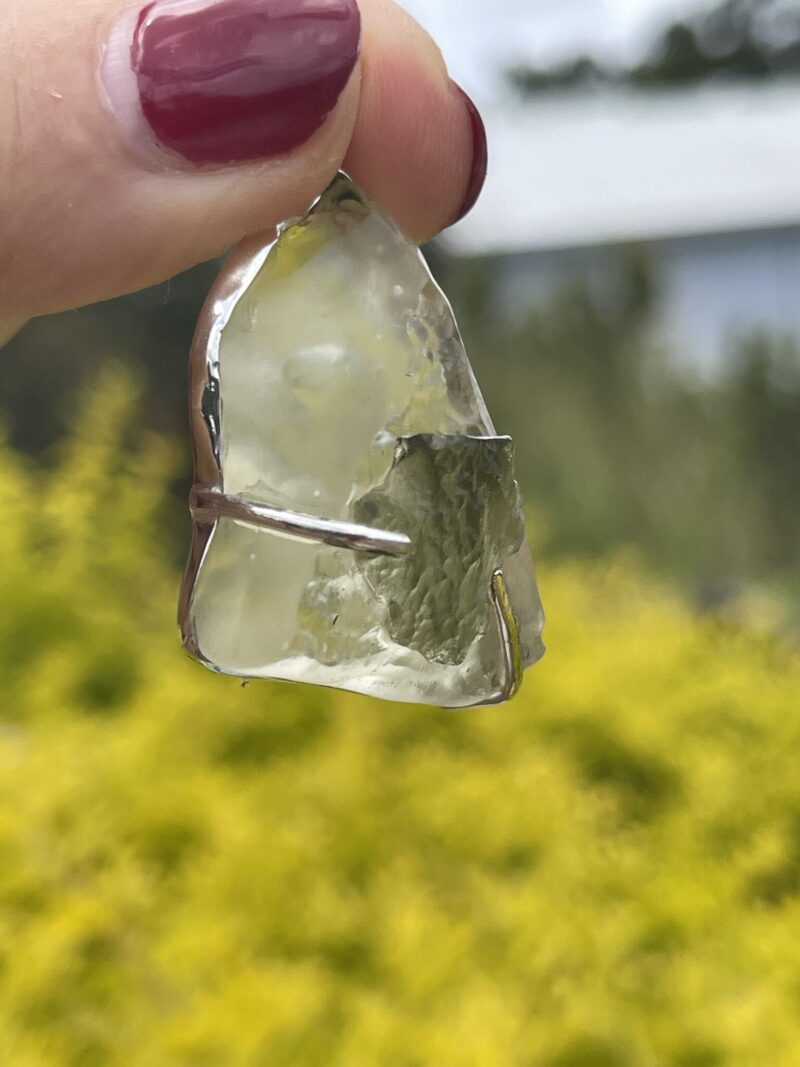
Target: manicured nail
(480, 157)
(228, 81)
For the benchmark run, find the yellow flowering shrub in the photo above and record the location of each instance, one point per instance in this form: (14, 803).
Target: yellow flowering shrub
(605, 873)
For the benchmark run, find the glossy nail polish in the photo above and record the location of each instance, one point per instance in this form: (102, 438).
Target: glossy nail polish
(480, 157)
(227, 81)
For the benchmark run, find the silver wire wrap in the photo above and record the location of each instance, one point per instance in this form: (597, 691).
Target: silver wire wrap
(208, 505)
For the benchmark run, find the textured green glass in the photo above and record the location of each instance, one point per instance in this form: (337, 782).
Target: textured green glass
(457, 500)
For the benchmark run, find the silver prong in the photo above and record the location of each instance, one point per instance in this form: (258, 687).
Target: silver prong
(509, 643)
(509, 637)
(209, 505)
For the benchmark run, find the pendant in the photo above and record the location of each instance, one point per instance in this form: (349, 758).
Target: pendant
(356, 519)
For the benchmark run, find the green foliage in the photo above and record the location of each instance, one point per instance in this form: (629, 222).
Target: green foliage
(618, 444)
(604, 874)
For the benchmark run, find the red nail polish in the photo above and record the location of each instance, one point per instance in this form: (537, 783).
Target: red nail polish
(480, 157)
(226, 81)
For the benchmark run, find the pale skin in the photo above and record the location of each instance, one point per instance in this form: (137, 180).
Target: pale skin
(86, 217)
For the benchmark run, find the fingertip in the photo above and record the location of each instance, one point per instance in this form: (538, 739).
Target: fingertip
(416, 147)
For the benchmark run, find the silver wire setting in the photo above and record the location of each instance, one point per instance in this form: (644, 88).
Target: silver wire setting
(208, 505)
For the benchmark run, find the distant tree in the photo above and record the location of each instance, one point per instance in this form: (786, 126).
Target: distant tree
(581, 72)
(739, 39)
(617, 443)
(679, 59)
(761, 411)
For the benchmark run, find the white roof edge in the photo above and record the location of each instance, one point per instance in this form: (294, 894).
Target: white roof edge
(614, 167)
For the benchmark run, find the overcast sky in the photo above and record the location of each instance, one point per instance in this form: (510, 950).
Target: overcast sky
(482, 37)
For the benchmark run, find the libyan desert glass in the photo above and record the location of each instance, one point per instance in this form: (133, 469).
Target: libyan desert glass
(357, 522)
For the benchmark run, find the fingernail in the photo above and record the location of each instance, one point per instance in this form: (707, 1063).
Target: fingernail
(480, 157)
(231, 81)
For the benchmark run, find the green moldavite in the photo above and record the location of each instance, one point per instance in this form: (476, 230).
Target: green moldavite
(342, 390)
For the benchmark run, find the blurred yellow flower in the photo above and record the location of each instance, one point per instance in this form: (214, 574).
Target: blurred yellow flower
(606, 873)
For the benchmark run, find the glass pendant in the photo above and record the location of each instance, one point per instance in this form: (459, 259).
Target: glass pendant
(356, 519)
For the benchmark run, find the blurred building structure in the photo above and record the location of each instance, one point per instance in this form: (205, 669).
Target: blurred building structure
(708, 179)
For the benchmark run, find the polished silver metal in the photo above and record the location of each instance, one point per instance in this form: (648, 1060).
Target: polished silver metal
(205, 409)
(510, 647)
(509, 638)
(208, 505)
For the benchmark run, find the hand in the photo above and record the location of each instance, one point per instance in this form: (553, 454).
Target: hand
(137, 142)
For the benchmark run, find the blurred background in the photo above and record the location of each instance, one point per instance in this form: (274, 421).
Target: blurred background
(607, 872)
